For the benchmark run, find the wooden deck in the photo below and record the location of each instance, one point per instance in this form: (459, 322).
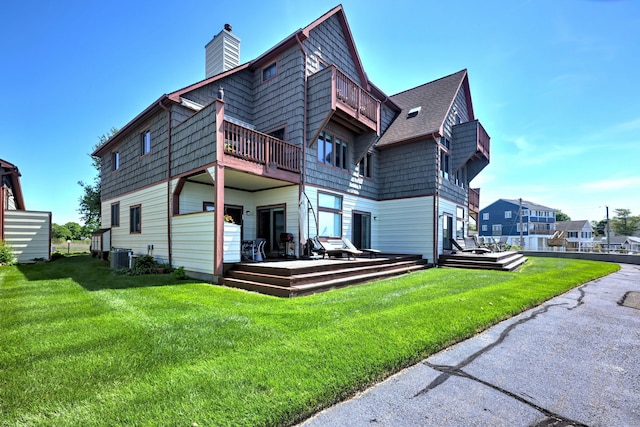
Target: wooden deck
(290, 278)
(504, 261)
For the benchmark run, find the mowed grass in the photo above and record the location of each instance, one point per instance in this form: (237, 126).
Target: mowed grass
(80, 346)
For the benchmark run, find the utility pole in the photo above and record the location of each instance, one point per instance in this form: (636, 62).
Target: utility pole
(521, 241)
(608, 231)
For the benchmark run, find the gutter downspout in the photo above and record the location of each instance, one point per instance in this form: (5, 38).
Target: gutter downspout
(169, 253)
(436, 216)
(303, 165)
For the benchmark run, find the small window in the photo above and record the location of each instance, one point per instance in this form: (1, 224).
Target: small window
(115, 214)
(269, 72)
(145, 143)
(484, 227)
(507, 214)
(135, 219)
(496, 228)
(333, 151)
(279, 133)
(115, 160)
(208, 206)
(444, 164)
(485, 216)
(364, 167)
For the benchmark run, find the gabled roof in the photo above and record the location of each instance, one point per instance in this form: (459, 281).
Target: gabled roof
(572, 225)
(434, 99)
(13, 175)
(264, 59)
(529, 205)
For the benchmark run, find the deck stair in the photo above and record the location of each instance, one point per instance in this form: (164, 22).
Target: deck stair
(302, 277)
(504, 261)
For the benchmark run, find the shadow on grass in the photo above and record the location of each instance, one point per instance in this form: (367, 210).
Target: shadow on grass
(93, 274)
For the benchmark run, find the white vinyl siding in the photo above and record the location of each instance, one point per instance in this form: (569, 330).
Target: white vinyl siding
(27, 232)
(406, 226)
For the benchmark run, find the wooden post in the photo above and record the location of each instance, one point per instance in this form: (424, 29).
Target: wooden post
(218, 244)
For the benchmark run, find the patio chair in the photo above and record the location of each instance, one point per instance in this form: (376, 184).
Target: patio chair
(259, 251)
(470, 246)
(337, 247)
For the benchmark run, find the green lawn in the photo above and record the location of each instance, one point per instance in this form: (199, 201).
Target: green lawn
(80, 346)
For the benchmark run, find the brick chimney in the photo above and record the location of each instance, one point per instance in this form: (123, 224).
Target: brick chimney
(222, 53)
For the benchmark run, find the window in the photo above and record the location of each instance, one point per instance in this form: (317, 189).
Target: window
(507, 214)
(484, 227)
(145, 143)
(496, 229)
(332, 151)
(329, 215)
(115, 214)
(444, 141)
(115, 160)
(208, 206)
(444, 164)
(364, 167)
(485, 216)
(279, 133)
(269, 72)
(459, 222)
(573, 234)
(135, 219)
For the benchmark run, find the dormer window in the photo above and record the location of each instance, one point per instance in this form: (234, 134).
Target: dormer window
(414, 112)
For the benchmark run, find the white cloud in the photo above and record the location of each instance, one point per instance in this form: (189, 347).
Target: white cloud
(630, 183)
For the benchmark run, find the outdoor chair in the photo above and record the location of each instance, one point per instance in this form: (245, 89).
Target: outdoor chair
(337, 247)
(469, 247)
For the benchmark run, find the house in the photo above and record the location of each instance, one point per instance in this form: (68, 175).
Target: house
(632, 244)
(524, 223)
(297, 142)
(572, 236)
(28, 233)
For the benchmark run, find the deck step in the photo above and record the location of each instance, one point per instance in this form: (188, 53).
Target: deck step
(504, 261)
(295, 279)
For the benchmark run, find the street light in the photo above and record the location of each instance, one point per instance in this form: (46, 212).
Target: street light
(68, 246)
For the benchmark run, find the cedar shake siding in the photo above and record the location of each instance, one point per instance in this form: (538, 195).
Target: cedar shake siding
(408, 170)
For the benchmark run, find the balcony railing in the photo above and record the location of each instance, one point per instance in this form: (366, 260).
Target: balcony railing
(358, 100)
(483, 141)
(474, 199)
(258, 147)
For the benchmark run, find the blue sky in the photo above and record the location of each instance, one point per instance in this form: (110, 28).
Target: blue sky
(554, 82)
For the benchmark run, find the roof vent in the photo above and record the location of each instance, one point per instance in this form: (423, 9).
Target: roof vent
(414, 112)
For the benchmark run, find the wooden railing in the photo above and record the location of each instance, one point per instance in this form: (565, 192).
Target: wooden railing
(483, 141)
(259, 147)
(474, 199)
(355, 97)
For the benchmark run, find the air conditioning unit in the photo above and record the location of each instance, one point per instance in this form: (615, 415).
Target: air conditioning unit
(120, 258)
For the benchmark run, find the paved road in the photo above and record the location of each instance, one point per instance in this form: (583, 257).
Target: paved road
(572, 361)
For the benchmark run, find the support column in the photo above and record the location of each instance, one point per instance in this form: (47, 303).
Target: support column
(218, 244)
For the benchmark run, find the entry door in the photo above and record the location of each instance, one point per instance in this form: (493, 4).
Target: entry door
(447, 227)
(361, 234)
(270, 224)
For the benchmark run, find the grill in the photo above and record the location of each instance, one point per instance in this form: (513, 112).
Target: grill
(286, 237)
(287, 246)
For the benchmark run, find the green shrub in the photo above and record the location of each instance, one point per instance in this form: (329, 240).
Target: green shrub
(180, 274)
(144, 264)
(6, 254)
(57, 255)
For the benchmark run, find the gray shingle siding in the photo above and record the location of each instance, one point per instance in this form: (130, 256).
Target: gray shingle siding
(193, 142)
(407, 170)
(137, 171)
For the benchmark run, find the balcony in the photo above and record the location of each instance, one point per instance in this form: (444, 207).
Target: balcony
(474, 200)
(472, 147)
(356, 101)
(332, 94)
(258, 147)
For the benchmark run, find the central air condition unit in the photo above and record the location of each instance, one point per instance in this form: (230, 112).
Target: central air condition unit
(120, 258)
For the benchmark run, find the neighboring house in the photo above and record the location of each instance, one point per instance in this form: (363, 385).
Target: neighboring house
(573, 236)
(27, 232)
(632, 244)
(611, 243)
(295, 141)
(515, 218)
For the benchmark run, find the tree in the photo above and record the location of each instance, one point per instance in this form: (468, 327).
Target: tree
(623, 224)
(561, 216)
(60, 232)
(75, 229)
(599, 227)
(90, 209)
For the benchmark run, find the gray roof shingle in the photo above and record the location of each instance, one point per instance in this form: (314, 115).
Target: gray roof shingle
(435, 99)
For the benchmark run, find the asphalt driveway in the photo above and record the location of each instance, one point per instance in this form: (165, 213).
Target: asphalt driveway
(572, 361)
